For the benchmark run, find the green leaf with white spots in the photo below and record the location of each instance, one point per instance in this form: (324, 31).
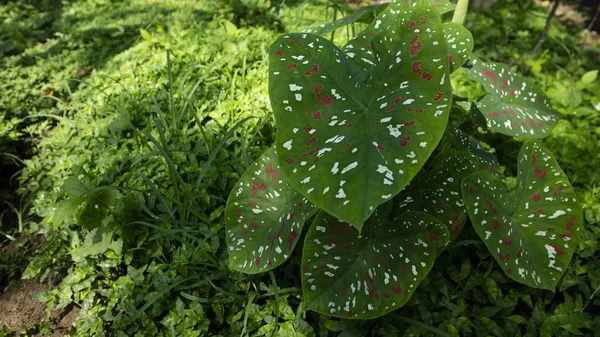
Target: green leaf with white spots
(513, 105)
(460, 44)
(264, 217)
(532, 230)
(350, 139)
(438, 192)
(367, 14)
(364, 15)
(366, 276)
(458, 139)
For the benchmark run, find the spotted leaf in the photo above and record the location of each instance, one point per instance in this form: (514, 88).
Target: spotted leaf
(264, 217)
(438, 192)
(460, 44)
(366, 276)
(532, 230)
(458, 139)
(350, 139)
(364, 15)
(512, 105)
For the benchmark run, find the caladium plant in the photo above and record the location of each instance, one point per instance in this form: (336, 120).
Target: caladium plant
(363, 139)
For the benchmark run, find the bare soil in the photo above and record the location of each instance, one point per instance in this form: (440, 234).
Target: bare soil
(20, 311)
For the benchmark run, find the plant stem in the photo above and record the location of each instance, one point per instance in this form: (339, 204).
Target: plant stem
(540, 42)
(460, 13)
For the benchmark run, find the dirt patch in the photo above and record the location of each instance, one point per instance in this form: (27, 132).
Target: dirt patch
(20, 309)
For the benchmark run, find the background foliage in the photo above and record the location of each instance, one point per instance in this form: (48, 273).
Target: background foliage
(130, 121)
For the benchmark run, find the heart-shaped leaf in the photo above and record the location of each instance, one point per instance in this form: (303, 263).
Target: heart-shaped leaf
(264, 217)
(532, 230)
(513, 105)
(350, 139)
(460, 44)
(437, 192)
(366, 276)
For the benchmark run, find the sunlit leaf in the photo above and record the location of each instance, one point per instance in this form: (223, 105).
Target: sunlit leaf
(513, 105)
(352, 134)
(532, 230)
(368, 275)
(264, 217)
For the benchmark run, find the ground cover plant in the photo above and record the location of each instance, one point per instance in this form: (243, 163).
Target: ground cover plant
(129, 177)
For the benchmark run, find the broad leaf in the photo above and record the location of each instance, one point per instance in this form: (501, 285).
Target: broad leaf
(460, 44)
(367, 14)
(437, 192)
(264, 217)
(512, 105)
(366, 276)
(349, 139)
(532, 230)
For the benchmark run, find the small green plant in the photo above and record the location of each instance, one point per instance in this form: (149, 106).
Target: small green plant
(364, 139)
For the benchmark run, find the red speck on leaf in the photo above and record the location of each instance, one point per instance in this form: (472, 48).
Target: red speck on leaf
(415, 46)
(567, 235)
(311, 141)
(506, 242)
(451, 59)
(409, 123)
(532, 123)
(416, 67)
(383, 261)
(269, 263)
(433, 238)
(438, 96)
(317, 115)
(292, 65)
(519, 254)
(422, 20)
(379, 147)
(505, 83)
(512, 92)
(536, 197)
(412, 24)
(239, 214)
(427, 76)
(290, 160)
(350, 125)
(274, 172)
(404, 141)
(571, 222)
(347, 146)
(386, 294)
(279, 53)
(256, 187)
(254, 225)
(339, 230)
(245, 232)
(509, 271)
(404, 268)
(558, 250)
(309, 153)
(314, 69)
(293, 235)
(496, 224)
(491, 206)
(397, 289)
(252, 203)
(327, 100)
(258, 262)
(533, 158)
(493, 114)
(368, 47)
(470, 190)
(504, 257)
(539, 173)
(559, 190)
(398, 99)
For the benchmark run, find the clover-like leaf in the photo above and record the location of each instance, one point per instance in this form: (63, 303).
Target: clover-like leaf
(264, 217)
(347, 274)
(512, 105)
(532, 230)
(350, 139)
(460, 44)
(437, 192)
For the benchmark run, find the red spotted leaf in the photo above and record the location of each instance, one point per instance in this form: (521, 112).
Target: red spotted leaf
(348, 275)
(460, 44)
(351, 137)
(532, 230)
(437, 191)
(513, 105)
(264, 217)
